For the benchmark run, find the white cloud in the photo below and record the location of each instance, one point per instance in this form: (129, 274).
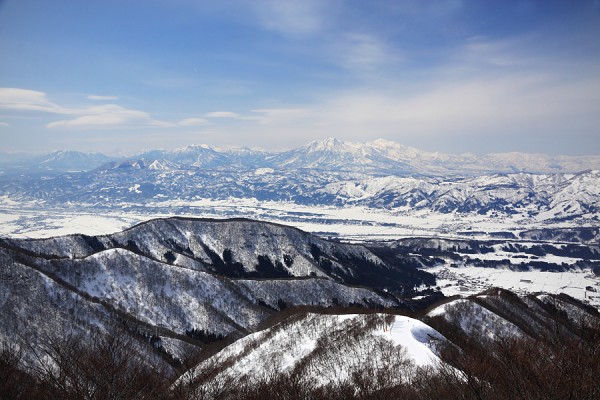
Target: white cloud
(291, 17)
(101, 98)
(110, 115)
(26, 100)
(222, 114)
(362, 52)
(489, 107)
(264, 116)
(193, 122)
(470, 110)
(4, 124)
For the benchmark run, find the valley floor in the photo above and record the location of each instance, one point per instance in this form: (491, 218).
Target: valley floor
(580, 284)
(37, 220)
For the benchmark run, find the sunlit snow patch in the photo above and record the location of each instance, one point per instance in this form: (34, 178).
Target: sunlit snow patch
(417, 338)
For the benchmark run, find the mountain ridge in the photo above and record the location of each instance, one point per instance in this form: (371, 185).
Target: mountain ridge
(378, 156)
(236, 248)
(184, 297)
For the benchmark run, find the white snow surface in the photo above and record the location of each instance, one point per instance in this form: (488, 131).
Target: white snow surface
(317, 337)
(351, 221)
(475, 319)
(468, 280)
(417, 338)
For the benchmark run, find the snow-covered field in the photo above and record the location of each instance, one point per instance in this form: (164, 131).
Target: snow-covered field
(467, 280)
(36, 220)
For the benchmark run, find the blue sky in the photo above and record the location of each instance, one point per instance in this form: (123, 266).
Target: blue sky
(454, 76)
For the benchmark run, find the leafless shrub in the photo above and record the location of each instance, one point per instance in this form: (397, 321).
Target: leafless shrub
(98, 366)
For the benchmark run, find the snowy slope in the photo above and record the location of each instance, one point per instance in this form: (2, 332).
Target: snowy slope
(498, 313)
(206, 278)
(335, 350)
(417, 338)
(182, 299)
(37, 311)
(475, 319)
(235, 248)
(325, 350)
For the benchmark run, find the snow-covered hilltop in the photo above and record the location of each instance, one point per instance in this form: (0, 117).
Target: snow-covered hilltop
(332, 351)
(325, 350)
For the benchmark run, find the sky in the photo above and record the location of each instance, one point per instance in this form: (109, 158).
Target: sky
(455, 76)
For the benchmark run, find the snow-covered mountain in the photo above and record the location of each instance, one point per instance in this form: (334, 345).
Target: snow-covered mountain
(336, 155)
(557, 196)
(235, 248)
(164, 292)
(383, 157)
(54, 162)
(378, 158)
(194, 155)
(326, 350)
(378, 175)
(73, 160)
(215, 277)
(144, 183)
(374, 353)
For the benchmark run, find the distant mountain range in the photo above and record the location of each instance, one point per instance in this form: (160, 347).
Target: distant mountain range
(379, 175)
(377, 158)
(56, 161)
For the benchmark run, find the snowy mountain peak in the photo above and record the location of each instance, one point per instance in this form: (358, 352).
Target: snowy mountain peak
(194, 148)
(64, 154)
(386, 144)
(329, 144)
(396, 151)
(70, 160)
(379, 157)
(162, 165)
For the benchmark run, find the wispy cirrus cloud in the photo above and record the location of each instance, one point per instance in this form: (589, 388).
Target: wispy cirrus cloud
(101, 98)
(292, 18)
(193, 122)
(223, 114)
